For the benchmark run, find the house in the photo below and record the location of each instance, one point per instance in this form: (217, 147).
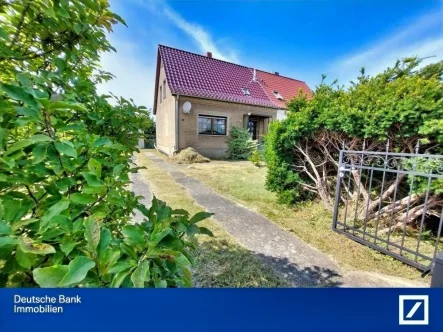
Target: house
(198, 99)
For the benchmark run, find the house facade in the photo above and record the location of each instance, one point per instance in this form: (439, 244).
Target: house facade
(198, 99)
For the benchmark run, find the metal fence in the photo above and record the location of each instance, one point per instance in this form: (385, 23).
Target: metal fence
(392, 202)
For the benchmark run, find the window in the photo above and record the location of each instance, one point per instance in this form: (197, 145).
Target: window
(246, 91)
(277, 95)
(210, 125)
(164, 89)
(160, 93)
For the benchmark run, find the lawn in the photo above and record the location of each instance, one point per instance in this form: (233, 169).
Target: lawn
(220, 261)
(245, 184)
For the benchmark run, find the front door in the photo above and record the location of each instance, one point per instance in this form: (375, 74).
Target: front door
(252, 128)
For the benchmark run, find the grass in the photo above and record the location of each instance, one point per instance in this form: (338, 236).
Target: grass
(220, 261)
(245, 184)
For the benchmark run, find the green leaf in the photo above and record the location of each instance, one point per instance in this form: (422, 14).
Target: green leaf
(78, 268)
(102, 141)
(10, 209)
(24, 79)
(94, 190)
(63, 12)
(83, 199)
(140, 274)
(121, 266)
(161, 284)
(192, 230)
(19, 93)
(204, 230)
(24, 259)
(128, 250)
(95, 167)
(118, 169)
(92, 180)
(50, 277)
(66, 148)
(180, 212)
(23, 222)
(63, 221)
(105, 239)
(3, 137)
(77, 28)
(119, 278)
(41, 138)
(5, 229)
(109, 258)
(18, 145)
(68, 105)
(158, 236)
(28, 246)
(39, 153)
(29, 112)
(7, 241)
(68, 246)
(91, 4)
(200, 216)
(55, 210)
(92, 233)
(3, 34)
(134, 234)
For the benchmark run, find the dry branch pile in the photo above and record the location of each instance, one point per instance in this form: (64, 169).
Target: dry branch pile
(190, 156)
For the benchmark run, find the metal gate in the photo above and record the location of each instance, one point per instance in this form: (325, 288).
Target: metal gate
(391, 202)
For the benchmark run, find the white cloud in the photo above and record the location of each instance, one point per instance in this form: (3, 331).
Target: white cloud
(407, 41)
(135, 73)
(203, 38)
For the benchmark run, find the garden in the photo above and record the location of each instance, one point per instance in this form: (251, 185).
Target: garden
(66, 209)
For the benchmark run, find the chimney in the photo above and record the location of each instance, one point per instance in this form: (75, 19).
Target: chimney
(209, 55)
(277, 73)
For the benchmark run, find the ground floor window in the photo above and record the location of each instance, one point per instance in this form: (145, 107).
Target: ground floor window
(211, 125)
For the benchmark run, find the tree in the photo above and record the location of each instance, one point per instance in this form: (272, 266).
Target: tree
(240, 144)
(403, 104)
(65, 210)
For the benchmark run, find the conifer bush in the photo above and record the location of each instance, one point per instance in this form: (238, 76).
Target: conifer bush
(240, 144)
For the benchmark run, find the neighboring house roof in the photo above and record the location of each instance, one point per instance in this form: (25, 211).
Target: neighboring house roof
(286, 87)
(201, 76)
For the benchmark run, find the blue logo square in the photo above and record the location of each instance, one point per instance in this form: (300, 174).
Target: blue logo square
(414, 310)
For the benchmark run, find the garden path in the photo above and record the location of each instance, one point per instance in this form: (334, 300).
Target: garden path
(301, 264)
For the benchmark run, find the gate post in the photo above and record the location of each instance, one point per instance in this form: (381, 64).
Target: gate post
(337, 191)
(437, 272)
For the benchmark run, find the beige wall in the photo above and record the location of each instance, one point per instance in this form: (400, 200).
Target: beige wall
(214, 146)
(165, 118)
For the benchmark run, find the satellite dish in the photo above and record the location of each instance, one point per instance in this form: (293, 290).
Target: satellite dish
(187, 107)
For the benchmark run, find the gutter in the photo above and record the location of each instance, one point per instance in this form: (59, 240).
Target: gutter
(230, 101)
(177, 97)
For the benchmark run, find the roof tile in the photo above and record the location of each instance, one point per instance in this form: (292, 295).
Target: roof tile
(200, 76)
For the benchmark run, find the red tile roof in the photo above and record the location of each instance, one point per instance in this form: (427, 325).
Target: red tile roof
(197, 75)
(286, 87)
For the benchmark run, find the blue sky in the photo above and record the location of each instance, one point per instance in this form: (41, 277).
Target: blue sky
(299, 39)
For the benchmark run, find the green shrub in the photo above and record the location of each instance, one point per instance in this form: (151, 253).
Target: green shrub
(240, 144)
(256, 158)
(65, 207)
(403, 104)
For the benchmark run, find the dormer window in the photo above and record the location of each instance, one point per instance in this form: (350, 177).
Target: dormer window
(277, 95)
(246, 91)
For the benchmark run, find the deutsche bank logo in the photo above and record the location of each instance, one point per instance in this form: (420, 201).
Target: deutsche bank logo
(414, 310)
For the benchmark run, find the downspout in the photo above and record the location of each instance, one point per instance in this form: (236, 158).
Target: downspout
(177, 97)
